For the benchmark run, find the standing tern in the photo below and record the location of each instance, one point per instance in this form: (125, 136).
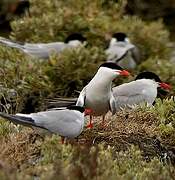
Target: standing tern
(97, 95)
(67, 122)
(122, 52)
(43, 50)
(142, 90)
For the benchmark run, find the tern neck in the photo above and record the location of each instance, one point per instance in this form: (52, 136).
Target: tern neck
(117, 43)
(74, 43)
(103, 80)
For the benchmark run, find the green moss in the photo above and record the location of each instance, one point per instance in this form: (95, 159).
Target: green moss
(101, 163)
(6, 128)
(67, 70)
(93, 20)
(35, 80)
(22, 75)
(26, 82)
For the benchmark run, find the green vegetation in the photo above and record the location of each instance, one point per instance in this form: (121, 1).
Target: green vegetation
(135, 144)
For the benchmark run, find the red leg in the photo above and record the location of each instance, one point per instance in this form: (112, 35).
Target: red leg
(103, 121)
(90, 125)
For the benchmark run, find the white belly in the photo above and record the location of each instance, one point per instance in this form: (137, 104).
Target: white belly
(99, 105)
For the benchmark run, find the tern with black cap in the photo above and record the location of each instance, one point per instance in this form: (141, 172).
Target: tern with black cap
(142, 90)
(122, 51)
(43, 50)
(67, 122)
(97, 94)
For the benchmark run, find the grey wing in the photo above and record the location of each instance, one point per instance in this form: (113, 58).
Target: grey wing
(55, 45)
(118, 51)
(39, 53)
(82, 97)
(112, 104)
(43, 50)
(131, 101)
(17, 119)
(132, 93)
(136, 54)
(114, 53)
(40, 50)
(11, 43)
(63, 122)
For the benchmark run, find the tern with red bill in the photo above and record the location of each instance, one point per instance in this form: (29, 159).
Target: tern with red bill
(67, 122)
(142, 90)
(97, 94)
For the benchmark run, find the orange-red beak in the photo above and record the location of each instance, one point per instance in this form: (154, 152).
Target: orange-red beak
(124, 73)
(88, 112)
(164, 85)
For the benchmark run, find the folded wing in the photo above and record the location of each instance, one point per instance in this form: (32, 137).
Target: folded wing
(132, 94)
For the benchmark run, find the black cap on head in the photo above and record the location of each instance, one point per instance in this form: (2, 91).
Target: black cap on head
(148, 75)
(111, 65)
(119, 36)
(77, 108)
(75, 36)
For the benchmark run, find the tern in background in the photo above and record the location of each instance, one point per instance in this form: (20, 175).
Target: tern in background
(142, 90)
(67, 122)
(43, 50)
(122, 52)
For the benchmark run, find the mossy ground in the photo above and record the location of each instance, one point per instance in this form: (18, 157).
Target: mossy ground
(131, 145)
(136, 144)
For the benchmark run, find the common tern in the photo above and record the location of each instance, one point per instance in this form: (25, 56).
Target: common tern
(122, 51)
(67, 122)
(43, 50)
(97, 95)
(142, 90)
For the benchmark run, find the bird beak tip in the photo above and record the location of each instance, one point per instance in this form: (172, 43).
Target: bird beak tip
(124, 73)
(165, 86)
